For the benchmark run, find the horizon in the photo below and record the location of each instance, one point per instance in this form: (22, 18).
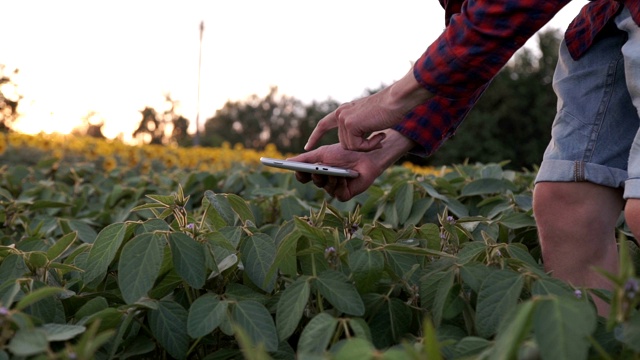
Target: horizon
(115, 62)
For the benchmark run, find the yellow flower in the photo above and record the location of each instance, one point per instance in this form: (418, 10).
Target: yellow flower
(109, 164)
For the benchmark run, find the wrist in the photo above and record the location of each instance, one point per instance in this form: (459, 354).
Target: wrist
(394, 146)
(407, 93)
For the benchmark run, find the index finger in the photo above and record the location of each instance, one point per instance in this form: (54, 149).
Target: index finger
(325, 124)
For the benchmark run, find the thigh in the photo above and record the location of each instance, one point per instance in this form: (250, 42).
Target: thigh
(596, 121)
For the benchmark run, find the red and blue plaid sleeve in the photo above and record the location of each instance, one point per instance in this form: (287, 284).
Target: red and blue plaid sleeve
(478, 42)
(432, 123)
(593, 17)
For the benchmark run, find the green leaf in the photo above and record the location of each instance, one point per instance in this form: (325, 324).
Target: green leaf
(562, 326)
(360, 328)
(517, 220)
(473, 274)
(487, 187)
(391, 322)
(4, 193)
(470, 251)
(37, 295)
(85, 232)
(434, 291)
(285, 259)
(48, 204)
(356, 348)
(221, 206)
(27, 342)
(239, 206)
(316, 336)
(152, 225)
(139, 266)
(37, 259)
(367, 267)
(165, 200)
(551, 286)
(102, 253)
(630, 332)
(169, 326)
(188, 259)
(341, 294)
(91, 307)
(498, 295)
(250, 350)
(404, 201)
(256, 321)
(62, 332)
(291, 306)
(513, 330)
(431, 344)
(258, 254)
(469, 347)
(291, 206)
(61, 246)
(8, 292)
(419, 208)
(520, 252)
(13, 267)
(307, 230)
(412, 250)
(404, 266)
(205, 315)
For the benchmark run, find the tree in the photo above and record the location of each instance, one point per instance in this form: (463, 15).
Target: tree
(512, 120)
(254, 122)
(166, 127)
(151, 128)
(9, 98)
(92, 124)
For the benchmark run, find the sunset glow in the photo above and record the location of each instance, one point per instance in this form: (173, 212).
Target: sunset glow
(115, 58)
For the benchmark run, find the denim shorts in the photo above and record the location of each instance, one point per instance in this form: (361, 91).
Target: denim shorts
(595, 136)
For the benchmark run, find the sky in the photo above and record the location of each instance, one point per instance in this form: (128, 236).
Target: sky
(116, 57)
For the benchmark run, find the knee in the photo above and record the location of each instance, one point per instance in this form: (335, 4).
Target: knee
(582, 210)
(556, 204)
(632, 216)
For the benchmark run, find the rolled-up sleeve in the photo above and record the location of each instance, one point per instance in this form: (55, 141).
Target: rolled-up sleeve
(432, 123)
(478, 41)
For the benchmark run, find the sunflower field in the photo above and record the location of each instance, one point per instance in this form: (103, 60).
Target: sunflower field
(112, 251)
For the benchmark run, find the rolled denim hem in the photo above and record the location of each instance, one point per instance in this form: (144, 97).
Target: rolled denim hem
(579, 171)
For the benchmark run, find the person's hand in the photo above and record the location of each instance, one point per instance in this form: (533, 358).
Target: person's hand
(342, 188)
(380, 111)
(368, 164)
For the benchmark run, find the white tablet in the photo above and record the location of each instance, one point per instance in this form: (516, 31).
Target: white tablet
(309, 168)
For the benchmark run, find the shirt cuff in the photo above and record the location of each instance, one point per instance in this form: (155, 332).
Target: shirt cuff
(430, 124)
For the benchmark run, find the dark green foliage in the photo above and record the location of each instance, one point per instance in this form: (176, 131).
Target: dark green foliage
(416, 267)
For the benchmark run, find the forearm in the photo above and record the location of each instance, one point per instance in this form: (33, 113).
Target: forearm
(405, 94)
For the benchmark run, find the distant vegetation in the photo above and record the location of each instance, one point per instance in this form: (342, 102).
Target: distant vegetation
(511, 121)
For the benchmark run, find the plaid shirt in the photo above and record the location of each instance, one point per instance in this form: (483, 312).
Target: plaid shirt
(479, 39)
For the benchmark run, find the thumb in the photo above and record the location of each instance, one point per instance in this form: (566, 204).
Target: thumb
(365, 144)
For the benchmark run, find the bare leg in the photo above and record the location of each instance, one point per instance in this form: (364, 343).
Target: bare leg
(576, 224)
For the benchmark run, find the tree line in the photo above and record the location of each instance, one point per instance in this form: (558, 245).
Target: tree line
(511, 121)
